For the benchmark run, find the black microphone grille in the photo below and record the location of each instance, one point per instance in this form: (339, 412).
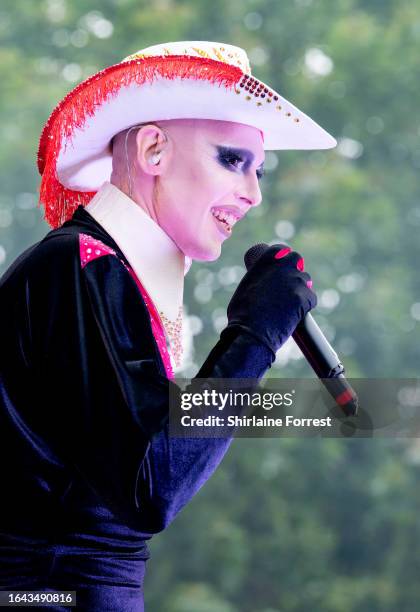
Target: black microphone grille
(254, 253)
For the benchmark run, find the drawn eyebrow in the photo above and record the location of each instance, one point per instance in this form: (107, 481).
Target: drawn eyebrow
(244, 153)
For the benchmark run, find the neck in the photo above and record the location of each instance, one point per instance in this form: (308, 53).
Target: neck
(135, 194)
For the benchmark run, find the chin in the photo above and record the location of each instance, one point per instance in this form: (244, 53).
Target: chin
(204, 252)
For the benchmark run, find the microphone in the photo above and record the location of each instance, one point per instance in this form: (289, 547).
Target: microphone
(317, 350)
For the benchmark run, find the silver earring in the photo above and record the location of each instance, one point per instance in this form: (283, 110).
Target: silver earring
(155, 159)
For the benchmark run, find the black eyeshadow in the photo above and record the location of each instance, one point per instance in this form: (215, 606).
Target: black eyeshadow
(228, 155)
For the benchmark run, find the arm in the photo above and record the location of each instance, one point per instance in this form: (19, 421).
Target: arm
(175, 469)
(267, 305)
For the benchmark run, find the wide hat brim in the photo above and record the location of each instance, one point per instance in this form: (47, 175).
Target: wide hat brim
(75, 157)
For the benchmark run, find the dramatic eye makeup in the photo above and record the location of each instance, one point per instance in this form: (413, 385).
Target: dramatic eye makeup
(233, 158)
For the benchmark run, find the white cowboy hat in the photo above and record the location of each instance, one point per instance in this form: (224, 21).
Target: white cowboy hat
(187, 79)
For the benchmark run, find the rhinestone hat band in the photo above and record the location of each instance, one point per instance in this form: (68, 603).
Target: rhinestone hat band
(229, 54)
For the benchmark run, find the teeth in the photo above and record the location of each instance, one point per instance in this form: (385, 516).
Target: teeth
(224, 216)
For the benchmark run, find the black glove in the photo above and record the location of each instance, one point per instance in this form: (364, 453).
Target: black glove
(272, 298)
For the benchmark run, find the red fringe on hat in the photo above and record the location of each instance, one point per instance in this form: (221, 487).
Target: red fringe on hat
(71, 113)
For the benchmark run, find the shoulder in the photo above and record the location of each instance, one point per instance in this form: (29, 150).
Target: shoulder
(51, 252)
(60, 250)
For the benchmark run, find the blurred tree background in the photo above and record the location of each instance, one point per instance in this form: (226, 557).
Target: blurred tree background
(287, 524)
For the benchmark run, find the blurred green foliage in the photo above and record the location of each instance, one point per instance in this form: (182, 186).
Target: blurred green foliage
(292, 524)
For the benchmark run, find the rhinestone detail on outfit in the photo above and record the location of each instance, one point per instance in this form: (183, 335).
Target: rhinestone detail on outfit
(91, 249)
(174, 333)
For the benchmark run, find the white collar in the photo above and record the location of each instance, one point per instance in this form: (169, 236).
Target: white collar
(155, 258)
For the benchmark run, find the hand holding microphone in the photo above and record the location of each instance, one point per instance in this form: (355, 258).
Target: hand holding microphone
(272, 302)
(272, 297)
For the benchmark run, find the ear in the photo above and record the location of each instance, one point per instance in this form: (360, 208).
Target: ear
(152, 140)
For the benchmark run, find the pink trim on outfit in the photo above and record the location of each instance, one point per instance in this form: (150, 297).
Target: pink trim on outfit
(157, 327)
(91, 249)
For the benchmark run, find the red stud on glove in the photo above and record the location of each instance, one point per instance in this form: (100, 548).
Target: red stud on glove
(282, 253)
